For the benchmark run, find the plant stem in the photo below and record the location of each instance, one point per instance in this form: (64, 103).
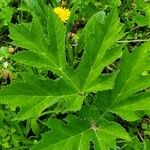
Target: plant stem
(133, 41)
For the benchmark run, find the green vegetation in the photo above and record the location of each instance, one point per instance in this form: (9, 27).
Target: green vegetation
(74, 75)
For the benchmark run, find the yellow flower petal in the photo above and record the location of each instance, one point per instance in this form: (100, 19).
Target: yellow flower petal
(63, 13)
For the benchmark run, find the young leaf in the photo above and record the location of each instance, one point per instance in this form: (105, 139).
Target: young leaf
(78, 134)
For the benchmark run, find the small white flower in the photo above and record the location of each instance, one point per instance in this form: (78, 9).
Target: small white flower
(5, 64)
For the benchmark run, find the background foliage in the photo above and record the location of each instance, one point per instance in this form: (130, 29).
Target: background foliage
(83, 84)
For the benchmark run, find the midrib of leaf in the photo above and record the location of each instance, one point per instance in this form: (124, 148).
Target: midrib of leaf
(97, 137)
(97, 57)
(61, 68)
(71, 137)
(47, 96)
(120, 93)
(63, 72)
(74, 136)
(53, 101)
(122, 90)
(109, 108)
(43, 100)
(92, 68)
(56, 42)
(44, 54)
(80, 141)
(32, 43)
(28, 39)
(126, 83)
(69, 79)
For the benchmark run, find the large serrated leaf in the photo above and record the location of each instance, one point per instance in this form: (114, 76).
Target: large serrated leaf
(77, 134)
(44, 46)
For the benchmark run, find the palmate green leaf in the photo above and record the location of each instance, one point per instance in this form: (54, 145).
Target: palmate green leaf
(77, 134)
(100, 53)
(130, 93)
(34, 95)
(45, 47)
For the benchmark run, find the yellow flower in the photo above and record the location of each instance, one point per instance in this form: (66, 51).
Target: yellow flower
(63, 13)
